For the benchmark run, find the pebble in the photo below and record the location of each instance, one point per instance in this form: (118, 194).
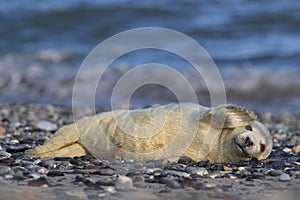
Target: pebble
(4, 154)
(123, 183)
(258, 175)
(100, 175)
(46, 126)
(13, 142)
(40, 182)
(296, 149)
(201, 171)
(174, 173)
(296, 175)
(185, 160)
(173, 184)
(284, 177)
(274, 173)
(105, 172)
(161, 163)
(287, 150)
(4, 170)
(19, 148)
(2, 130)
(53, 173)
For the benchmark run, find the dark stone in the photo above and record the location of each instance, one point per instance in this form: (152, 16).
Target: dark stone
(105, 172)
(254, 162)
(274, 173)
(62, 158)
(186, 160)
(40, 181)
(53, 173)
(258, 175)
(105, 182)
(19, 148)
(4, 170)
(205, 163)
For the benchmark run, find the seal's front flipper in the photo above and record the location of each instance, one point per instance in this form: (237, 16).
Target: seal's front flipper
(61, 142)
(231, 116)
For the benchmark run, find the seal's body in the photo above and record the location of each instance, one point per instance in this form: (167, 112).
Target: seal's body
(222, 134)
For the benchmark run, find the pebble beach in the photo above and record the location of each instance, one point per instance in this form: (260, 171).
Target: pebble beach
(45, 44)
(25, 126)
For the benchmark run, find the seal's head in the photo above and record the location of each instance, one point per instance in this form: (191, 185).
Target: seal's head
(253, 141)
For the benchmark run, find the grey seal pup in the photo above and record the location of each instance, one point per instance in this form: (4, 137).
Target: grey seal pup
(226, 133)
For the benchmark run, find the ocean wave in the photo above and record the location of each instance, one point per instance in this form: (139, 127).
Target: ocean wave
(23, 81)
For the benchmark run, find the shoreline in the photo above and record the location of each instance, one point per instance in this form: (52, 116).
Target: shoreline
(89, 178)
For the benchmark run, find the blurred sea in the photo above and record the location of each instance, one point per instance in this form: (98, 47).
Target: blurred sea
(255, 44)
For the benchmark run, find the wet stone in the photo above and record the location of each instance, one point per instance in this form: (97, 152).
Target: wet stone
(284, 177)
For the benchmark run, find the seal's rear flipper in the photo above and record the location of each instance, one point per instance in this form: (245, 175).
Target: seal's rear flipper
(63, 143)
(231, 116)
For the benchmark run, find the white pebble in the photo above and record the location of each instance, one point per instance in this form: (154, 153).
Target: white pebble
(284, 177)
(46, 125)
(123, 183)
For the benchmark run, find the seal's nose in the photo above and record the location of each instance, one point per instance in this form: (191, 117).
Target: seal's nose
(248, 142)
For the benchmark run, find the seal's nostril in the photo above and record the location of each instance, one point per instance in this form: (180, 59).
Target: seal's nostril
(248, 142)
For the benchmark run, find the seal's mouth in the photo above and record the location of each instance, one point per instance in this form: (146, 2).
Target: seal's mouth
(241, 147)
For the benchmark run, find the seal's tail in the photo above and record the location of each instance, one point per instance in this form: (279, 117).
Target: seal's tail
(65, 142)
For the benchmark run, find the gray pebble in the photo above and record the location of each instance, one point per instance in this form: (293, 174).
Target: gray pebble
(13, 142)
(138, 179)
(274, 173)
(4, 170)
(296, 174)
(173, 184)
(4, 154)
(174, 173)
(123, 183)
(258, 175)
(105, 172)
(284, 177)
(19, 175)
(161, 163)
(46, 126)
(201, 171)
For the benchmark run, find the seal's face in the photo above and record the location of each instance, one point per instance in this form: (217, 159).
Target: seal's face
(253, 141)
